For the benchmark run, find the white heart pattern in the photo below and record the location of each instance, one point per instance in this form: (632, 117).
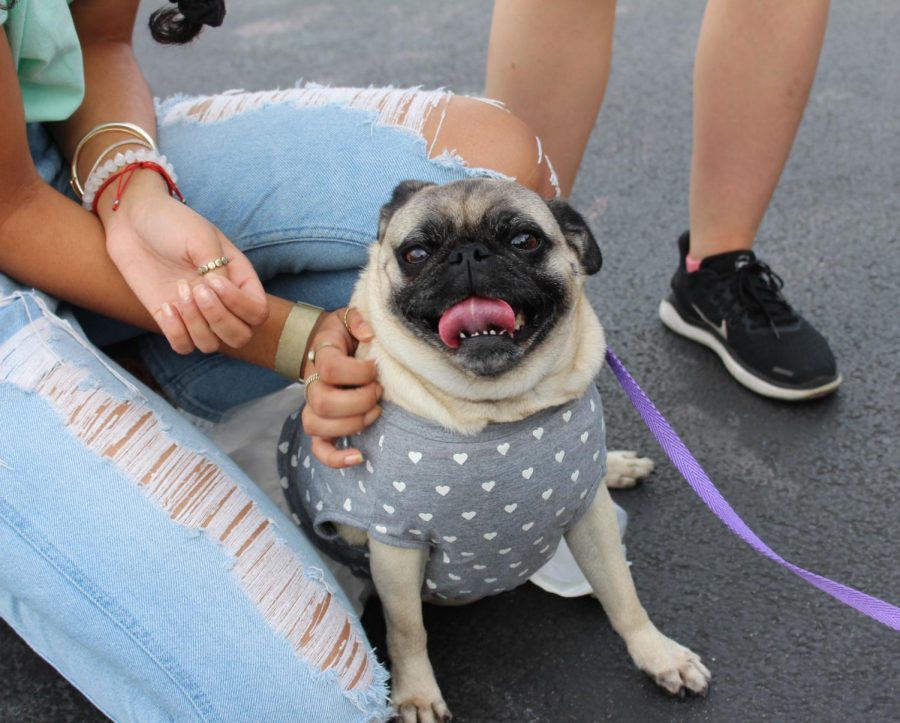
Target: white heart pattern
(414, 532)
(538, 541)
(319, 506)
(546, 493)
(505, 551)
(596, 454)
(381, 442)
(369, 468)
(538, 433)
(348, 505)
(469, 515)
(479, 567)
(294, 462)
(527, 526)
(503, 448)
(488, 486)
(560, 511)
(584, 437)
(511, 508)
(575, 475)
(381, 528)
(582, 495)
(426, 516)
(389, 509)
(490, 579)
(467, 554)
(453, 577)
(460, 457)
(451, 538)
(526, 473)
(415, 457)
(489, 535)
(567, 415)
(283, 447)
(559, 455)
(284, 482)
(431, 585)
(306, 461)
(593, 406)
(362, 487)
(514, 565)
(442, 490)
(446, 557)
(399, 486)
(295, 518)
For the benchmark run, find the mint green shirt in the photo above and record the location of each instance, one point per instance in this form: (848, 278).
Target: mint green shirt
(47, 56)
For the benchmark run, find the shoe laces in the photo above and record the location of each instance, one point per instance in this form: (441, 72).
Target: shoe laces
(754, 291)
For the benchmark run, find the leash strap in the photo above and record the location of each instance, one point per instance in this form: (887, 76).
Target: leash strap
(690, 469)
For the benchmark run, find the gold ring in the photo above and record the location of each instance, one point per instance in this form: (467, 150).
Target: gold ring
(214, 264)
(313, 352)
(307, 383)
(344, 319)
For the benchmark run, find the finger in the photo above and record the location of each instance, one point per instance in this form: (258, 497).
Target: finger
(196, 325)
(358, 326)
(244, 306)
(173, 328)
(222, 322)
(241, 271)
(336, 368)
(316, 426)
(328, 401)
(324, 450)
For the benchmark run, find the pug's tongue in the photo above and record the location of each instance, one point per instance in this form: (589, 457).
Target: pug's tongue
(477, 313)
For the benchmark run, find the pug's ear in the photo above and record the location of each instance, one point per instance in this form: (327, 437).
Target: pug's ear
(577, 234)
(402, 193)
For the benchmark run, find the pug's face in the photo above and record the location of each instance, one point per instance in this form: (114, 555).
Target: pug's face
(482, 270)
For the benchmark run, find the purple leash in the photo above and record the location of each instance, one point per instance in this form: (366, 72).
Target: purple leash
(690, 469)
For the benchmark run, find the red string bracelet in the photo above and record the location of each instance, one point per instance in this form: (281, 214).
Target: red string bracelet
(123, 183)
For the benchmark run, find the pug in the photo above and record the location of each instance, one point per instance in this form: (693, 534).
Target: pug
(491, 446)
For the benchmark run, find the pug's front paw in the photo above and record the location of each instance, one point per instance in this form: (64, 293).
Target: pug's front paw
(674, 667)
(416, 697)
(625, 469)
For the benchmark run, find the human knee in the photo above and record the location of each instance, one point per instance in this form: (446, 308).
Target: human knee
(488, 136)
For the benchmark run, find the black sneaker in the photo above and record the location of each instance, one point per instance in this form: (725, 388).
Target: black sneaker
(733, 305)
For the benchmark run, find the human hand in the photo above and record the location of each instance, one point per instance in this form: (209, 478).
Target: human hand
(157, 243)
(344, 399)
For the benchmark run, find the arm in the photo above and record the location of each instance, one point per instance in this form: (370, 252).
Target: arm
(49, 242)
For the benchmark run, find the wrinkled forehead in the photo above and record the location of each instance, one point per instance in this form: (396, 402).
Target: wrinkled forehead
(477, 206)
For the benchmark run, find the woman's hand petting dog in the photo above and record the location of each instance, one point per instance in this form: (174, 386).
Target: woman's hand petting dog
(344, 400)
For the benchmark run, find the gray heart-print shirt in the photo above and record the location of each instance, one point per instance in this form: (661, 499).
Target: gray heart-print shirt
(491, 507)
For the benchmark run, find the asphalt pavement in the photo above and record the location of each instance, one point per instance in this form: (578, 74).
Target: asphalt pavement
(817, 481)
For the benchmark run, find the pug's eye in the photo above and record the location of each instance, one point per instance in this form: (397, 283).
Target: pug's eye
(415, 255)
(525, 242)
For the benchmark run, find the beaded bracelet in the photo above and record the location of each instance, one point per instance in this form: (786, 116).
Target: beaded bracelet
(129, 129)
(98, 180)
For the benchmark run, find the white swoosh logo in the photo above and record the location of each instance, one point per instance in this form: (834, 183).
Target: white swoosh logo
(720, 327)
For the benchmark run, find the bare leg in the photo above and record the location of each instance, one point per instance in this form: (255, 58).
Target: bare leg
(753, 73)
(555, 87)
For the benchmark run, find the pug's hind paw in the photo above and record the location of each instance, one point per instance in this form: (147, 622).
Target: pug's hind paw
(625, 469)
(675, 668)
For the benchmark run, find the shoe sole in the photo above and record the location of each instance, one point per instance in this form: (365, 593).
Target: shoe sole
(672, 319)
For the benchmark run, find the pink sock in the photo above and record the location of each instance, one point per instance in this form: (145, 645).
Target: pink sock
(692, 264)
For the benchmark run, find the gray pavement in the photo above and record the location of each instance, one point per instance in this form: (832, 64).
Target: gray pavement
(818, 481)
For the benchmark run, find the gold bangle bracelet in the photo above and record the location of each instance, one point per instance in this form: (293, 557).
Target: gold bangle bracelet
(294, 338)
(128, 128)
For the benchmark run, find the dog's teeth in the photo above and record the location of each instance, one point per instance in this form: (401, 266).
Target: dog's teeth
(462, 335)
(492, 332)
(520, 321)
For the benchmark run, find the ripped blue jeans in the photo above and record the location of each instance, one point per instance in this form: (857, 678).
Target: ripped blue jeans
(134, 556)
